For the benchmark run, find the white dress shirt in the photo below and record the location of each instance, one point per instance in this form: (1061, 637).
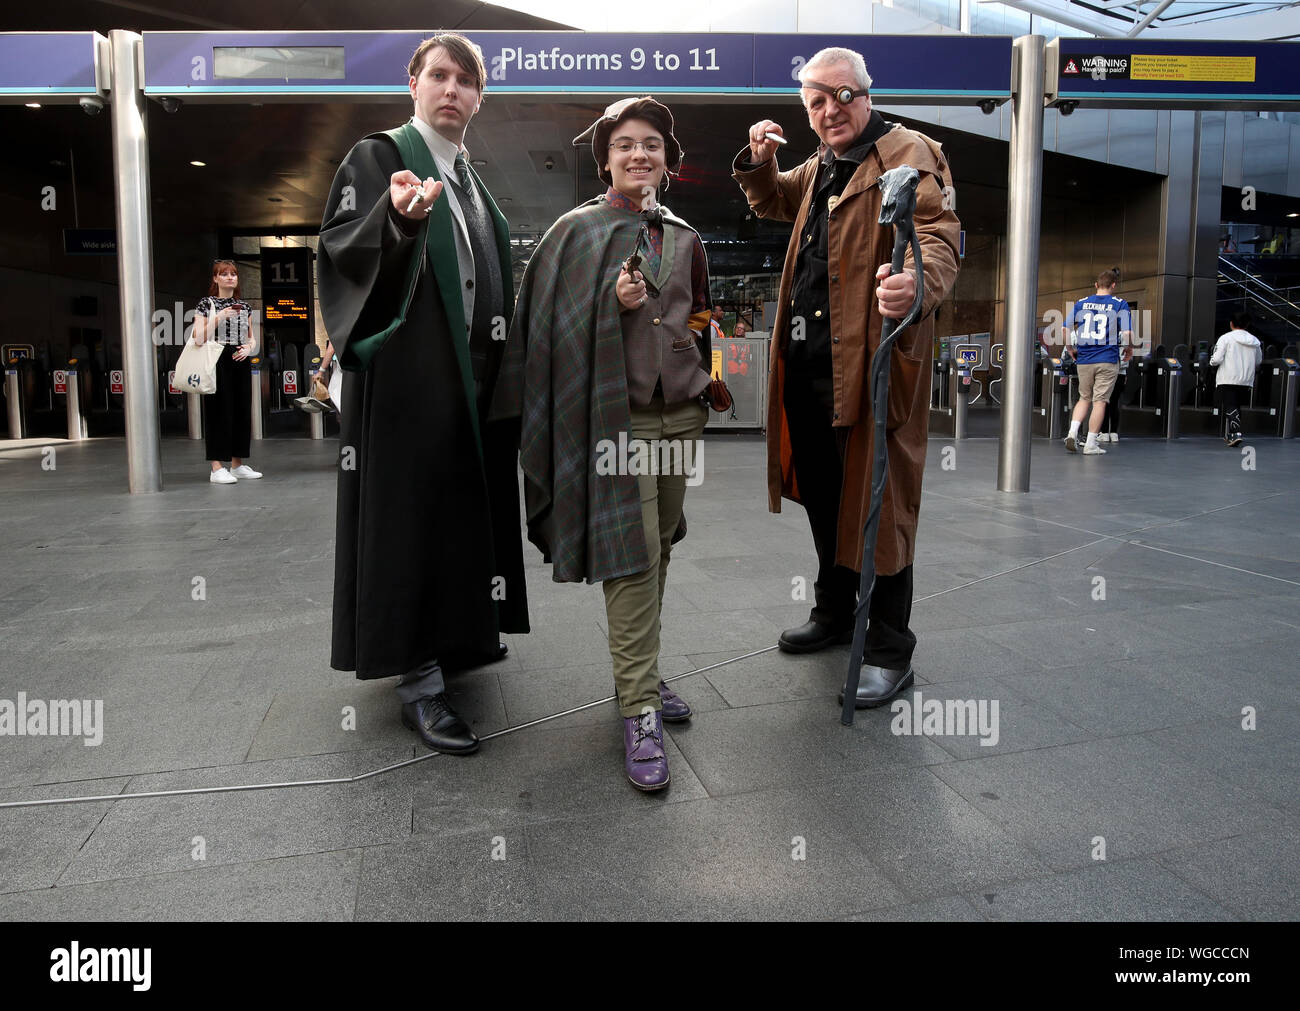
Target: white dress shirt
(444, 155)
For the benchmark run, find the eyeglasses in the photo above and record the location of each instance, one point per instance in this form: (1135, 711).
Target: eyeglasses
(652, 146)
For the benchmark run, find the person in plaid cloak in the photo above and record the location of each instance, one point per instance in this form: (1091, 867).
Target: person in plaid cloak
(606, 363)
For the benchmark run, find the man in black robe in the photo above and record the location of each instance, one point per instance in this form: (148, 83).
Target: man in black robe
(416, 292)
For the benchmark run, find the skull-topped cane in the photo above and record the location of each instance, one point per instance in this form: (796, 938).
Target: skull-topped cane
(898, 204)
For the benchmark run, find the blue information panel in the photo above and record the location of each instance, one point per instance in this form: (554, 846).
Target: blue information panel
(1112, 73)
(915, 68)
(49, 65)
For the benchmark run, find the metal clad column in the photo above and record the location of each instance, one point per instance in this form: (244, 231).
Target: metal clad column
(1024, 214)
(135, 263)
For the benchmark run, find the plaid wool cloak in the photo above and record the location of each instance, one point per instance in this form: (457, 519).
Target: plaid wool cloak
(564, 375)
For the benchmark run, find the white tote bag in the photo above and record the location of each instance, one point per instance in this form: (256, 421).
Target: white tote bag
(196, 368)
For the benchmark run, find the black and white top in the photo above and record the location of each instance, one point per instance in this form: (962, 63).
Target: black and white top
(233, 330)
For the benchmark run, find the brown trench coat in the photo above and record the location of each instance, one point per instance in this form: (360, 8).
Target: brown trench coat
(857, 247)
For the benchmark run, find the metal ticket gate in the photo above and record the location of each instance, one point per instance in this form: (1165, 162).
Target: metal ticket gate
(14, 406)
(1054, 389)
(997, 360)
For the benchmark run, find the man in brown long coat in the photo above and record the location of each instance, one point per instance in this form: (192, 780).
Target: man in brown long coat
(835, 289)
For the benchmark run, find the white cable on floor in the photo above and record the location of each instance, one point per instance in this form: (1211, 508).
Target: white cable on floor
(347, 779)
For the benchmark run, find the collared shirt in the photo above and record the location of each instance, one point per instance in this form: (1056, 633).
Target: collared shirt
(444, 155)
(810, 295)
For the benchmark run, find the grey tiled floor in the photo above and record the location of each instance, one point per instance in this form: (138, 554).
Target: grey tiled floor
(1128, 616)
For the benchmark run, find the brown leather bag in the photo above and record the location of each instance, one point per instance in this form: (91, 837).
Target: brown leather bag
(718, 397)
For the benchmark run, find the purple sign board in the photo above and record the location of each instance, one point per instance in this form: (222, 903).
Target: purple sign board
(1166, 73)
(42, 65)
(356, 64)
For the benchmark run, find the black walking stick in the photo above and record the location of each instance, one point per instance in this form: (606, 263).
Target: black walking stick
(898, 203)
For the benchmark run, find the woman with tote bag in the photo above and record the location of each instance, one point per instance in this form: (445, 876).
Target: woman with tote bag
(227, 413)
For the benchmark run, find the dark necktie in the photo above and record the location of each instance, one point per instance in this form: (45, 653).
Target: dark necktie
(462, 172)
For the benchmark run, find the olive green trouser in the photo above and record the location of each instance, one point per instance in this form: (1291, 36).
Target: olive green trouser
(632, 603)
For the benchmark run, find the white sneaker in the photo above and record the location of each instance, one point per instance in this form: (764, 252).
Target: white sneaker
(1092, 449)
(246, 473)
(1114, 437)
(1070, 444)
(223, 476)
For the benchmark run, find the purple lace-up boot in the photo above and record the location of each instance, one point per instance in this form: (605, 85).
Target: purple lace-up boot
(675, 709)
(645, 763)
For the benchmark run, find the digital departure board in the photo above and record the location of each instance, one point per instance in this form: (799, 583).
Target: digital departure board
(279, 309)
(287, 293)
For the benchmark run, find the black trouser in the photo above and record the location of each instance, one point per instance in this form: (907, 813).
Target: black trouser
(1230, 400)
(227, 413)
(818, 453)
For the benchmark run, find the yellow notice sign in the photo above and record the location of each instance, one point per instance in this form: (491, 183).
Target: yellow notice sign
(1149, 67)
(716, 373)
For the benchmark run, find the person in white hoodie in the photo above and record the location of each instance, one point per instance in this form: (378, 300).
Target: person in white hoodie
(1237, 354)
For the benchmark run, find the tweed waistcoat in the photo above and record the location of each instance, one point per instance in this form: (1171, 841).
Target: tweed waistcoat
(657, 345)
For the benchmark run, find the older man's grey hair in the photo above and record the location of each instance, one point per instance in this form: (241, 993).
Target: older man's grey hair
(833, 57)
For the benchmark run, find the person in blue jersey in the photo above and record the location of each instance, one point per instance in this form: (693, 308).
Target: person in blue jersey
(1098, 327)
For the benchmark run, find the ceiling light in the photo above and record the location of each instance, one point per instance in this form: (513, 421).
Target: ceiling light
(33, 105)
(1294, 214)
(199, 164)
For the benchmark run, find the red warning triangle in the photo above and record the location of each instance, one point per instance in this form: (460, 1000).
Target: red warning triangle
(1070, 67)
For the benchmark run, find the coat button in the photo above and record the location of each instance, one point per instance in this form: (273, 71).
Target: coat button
(835, 340)
(655, 321)
(818, 314)
(835, 277)
(837, 417)
(469, 284)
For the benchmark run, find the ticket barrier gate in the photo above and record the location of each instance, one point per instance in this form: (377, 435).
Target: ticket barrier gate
(68, 384)
(259, 378)
(15, 409)
(1198, 414)
(1274, 399)
(941, 422)
(1050, 416)
(310, 366)
(1172, 370)
(997, 360)
(1150, 405)
(957, 388)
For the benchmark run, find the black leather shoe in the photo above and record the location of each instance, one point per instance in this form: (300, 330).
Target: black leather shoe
(812, 636)
(439, 726)
(878, 685)
(502, 652)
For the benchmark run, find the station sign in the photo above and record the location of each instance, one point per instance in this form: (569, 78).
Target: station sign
(354, 65)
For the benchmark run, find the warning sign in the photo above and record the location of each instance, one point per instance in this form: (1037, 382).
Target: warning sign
(1098, 66)
(60, 381)
(290, 382)
(117, 381)
(1151, 67)
(171, 382)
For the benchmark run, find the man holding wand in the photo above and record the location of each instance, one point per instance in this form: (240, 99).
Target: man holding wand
(836, 288)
